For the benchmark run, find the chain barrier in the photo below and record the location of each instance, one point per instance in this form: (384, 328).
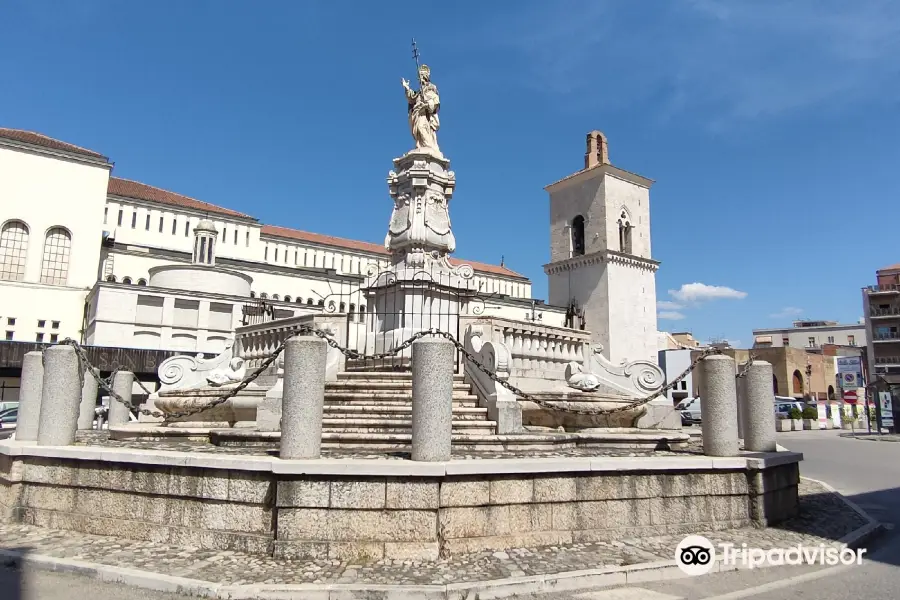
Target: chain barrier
(106, 384)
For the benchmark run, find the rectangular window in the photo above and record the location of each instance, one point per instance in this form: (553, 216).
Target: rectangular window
(11, 321)
(174, 225)
(785, 341)
(830, 339)
(39, 338)
(811, 342)
(248, 239)
(54, 324)
(851, 340)
(187, 228)
(276, 254)
(9, 335)
(304, 258)
(134, 219)
(185, 314)
(160, 224)
(147, 224)
(119, 221)
(105, 214)
(224, 235)
(295, 258)
(149, 310)
(41, 323)
(235, 236)
(54, 337)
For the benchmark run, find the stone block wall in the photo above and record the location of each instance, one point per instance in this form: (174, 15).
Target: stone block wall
(414, 515)
(183, 506)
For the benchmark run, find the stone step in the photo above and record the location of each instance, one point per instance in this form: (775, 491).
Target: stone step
(383, 385)
(340, 411)
(407, 402)
(389, 395)
(398, 422)
(384, 375)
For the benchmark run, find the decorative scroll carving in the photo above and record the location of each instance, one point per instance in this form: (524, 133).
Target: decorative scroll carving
(187, 372)
(638, 377)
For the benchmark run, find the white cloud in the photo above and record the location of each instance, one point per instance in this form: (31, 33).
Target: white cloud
(788, 312)
(667, 305)
(670, 315)
(693, 293)
(727, 61)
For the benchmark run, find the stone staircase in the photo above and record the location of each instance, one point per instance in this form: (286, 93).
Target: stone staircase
(375, 409)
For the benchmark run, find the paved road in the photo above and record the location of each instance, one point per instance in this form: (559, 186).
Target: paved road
(868, 473)
(44, 585)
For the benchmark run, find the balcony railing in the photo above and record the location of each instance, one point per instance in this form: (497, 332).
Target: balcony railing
(886, 337)
(884, 312)
(887, 360)
(887, 287)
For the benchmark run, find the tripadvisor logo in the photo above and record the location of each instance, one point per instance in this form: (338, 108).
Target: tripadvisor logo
(695, 555)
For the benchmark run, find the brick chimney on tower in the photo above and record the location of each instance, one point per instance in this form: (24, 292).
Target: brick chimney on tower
(597, 150)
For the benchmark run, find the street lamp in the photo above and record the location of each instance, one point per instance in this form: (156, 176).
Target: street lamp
(534, 316)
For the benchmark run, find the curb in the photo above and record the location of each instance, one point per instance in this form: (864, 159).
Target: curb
(481, 590)
(863, 535)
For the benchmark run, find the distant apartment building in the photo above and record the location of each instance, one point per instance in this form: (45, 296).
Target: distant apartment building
(812, 335)
(881, 307)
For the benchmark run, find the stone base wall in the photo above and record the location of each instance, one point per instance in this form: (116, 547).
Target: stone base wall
(417, 515)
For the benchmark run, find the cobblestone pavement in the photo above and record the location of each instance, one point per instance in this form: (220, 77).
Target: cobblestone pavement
(823, 519)
(101, 438)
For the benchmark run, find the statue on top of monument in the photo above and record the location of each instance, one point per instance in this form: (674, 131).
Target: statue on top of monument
(423, 110)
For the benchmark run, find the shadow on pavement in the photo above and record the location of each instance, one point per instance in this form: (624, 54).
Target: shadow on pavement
(11, 576)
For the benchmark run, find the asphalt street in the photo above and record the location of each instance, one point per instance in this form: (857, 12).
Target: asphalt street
(867, 472)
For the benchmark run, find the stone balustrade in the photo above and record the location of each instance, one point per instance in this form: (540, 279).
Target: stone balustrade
(255, 343)
(539, 352)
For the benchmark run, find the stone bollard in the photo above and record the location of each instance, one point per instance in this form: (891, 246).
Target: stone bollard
(303, 399)
(759, 408)
(30, 397)
(719, 398)
(60, 397)
(432, 398)
(119, 414)
(88, 400)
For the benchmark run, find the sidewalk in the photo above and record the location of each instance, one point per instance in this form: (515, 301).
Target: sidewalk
(825, 518)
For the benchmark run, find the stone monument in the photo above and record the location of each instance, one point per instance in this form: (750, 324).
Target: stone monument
(421, 288)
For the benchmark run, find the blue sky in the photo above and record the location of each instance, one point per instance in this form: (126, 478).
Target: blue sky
(771, 128)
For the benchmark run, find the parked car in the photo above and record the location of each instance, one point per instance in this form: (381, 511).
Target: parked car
(9, 417)
(783, 405)
(691, 411)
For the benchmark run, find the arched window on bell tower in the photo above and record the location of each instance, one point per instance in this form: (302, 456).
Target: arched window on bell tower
(625, 228)
(577, 231)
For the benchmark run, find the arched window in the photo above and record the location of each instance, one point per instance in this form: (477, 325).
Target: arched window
(578, 236)
(253, 294)
(343, 307)
(264, 296)
(276, 297)
(299, 300)
(309, 301)
(55, 263)
(362, 309)
(831, 392)
(321, 303)
(13, 250)
(625, 228)
(126, 280)
(111, 278)
(287, 298)
(798, 383)
(142, 282)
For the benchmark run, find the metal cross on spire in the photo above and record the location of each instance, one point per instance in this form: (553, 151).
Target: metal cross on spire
(415, 53)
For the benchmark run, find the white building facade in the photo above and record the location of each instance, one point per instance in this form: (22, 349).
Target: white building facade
(812, 335)
(101, 259)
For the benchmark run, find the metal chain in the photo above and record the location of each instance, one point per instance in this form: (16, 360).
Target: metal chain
(745, 368)
(106, 384)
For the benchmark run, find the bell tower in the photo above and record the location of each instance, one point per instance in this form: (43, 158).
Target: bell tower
(600, 261)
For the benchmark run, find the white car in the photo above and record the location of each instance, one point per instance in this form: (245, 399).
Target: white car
(691, 411)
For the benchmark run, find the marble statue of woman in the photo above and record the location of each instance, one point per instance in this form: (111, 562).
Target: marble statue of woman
(423, 112)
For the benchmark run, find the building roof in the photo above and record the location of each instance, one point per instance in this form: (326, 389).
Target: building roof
(328, 240)
(39, 139)
(141, 191)
(890, 268)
